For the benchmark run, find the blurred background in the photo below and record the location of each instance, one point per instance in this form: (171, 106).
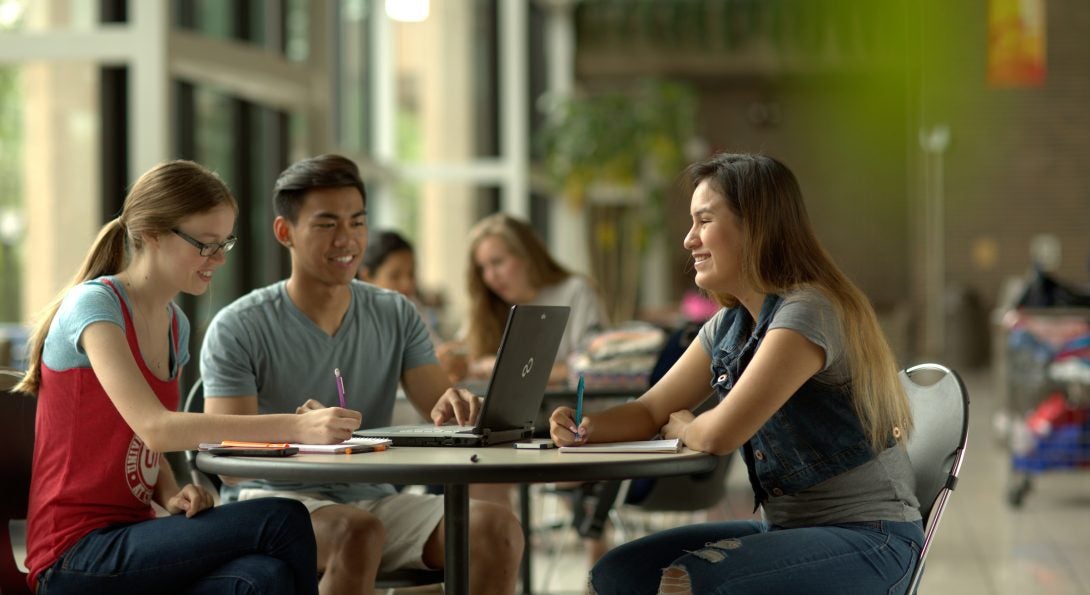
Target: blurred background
(941, 145)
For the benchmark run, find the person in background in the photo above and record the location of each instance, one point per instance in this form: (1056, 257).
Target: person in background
(389, 262)
(104, 364)
(275, 350)
(509, 265)
(808, 390)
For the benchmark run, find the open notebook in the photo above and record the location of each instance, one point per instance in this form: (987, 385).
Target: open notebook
(352, 445)
(652, 446)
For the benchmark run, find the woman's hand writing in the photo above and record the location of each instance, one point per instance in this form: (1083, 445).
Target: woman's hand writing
(564, 432)
(325, 425)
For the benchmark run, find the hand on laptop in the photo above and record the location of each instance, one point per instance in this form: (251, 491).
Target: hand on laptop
(458, 404)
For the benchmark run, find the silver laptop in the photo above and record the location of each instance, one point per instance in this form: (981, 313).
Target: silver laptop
(515, 391)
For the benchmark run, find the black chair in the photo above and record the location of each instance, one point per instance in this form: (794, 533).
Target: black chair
(17, 413)
(397, 579)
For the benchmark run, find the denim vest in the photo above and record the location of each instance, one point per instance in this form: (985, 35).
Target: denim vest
(816, 435)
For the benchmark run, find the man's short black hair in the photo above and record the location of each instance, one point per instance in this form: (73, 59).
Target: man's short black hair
(323, 171)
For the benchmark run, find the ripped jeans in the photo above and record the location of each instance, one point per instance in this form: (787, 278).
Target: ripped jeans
(750, 557)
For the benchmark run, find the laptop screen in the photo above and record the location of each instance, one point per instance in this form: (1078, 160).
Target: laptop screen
(523, 364)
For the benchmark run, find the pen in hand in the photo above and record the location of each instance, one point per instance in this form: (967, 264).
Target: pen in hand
(579, 407)
(340, 385)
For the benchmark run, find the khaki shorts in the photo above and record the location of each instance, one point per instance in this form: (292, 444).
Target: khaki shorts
(409, 519)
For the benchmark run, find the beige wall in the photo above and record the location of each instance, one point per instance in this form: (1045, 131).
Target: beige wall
(61, 176)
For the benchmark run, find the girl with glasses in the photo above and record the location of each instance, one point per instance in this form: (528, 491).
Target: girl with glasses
(104, 362)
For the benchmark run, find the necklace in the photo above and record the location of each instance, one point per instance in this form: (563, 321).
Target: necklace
(153, 360)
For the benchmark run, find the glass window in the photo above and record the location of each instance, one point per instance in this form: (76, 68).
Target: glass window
(44, 15)
(59, 225)
(215, 18)
(247, 145)
(447, 83)
(12, 218)
(296, 23)
(353, 64)
(436, 217)
(215, 121)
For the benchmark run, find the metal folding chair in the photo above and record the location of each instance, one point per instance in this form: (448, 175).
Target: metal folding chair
(940, 412)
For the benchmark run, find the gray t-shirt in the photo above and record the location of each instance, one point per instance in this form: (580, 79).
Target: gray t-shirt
(263, 345)
(881, 489)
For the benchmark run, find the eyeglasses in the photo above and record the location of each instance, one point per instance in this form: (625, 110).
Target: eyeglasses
(208, 249)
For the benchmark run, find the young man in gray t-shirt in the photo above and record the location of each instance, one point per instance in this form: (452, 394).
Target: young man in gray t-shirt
(275, 349)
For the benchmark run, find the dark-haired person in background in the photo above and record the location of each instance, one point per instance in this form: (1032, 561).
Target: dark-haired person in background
(390, 263)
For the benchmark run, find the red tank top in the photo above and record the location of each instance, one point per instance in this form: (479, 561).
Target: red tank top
(90, 469)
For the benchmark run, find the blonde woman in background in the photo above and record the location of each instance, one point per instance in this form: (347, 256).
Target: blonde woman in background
(509, 265)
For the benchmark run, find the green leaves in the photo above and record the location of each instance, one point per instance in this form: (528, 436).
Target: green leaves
(623, 137)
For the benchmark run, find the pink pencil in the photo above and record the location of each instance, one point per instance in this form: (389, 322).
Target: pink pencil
(340, 385)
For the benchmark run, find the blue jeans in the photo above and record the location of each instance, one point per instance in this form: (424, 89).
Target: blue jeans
(750, 557)
(262, 546)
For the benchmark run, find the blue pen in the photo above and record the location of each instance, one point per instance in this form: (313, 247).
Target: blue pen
(579, 402)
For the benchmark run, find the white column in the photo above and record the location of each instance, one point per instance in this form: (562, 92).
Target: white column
(514, 95)
(383, 111)
(149, 87)
(568, 234)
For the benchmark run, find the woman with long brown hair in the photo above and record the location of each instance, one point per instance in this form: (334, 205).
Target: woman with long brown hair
(808, 390)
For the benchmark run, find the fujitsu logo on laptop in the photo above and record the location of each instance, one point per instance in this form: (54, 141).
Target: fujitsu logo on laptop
(529, 366)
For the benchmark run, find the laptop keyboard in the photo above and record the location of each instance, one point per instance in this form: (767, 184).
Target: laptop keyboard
(432, 429)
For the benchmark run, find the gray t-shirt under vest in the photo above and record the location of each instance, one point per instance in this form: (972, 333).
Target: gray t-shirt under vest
(263, 345)
(882, 489)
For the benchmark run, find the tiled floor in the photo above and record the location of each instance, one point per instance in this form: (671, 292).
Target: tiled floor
(983, 545)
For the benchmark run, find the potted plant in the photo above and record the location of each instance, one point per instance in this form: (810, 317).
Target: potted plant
(615, 154)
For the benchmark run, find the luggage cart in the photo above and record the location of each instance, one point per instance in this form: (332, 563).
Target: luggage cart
(1047, 390)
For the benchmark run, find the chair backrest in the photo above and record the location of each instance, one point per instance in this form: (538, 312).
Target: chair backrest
(17, 412)
(940, 413)
(194, 403)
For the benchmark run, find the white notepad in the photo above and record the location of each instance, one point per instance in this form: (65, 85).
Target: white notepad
(650, 446)
(350, 445)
